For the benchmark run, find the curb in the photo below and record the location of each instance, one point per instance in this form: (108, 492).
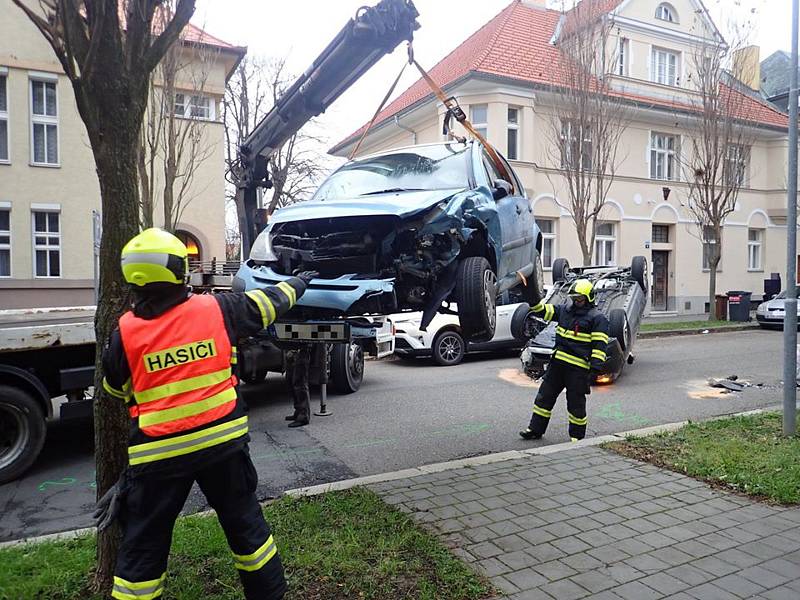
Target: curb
(643, 335)
(316, 490)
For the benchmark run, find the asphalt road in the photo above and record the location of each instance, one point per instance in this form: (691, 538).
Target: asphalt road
(411, 414)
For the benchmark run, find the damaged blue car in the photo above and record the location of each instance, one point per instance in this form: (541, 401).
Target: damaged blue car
(409, 229)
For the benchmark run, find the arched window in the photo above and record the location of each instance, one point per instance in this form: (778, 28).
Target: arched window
(665, 12)
(193, 246)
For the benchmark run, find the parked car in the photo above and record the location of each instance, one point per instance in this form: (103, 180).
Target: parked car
(407, 230)
(770, 314)
(621, 295)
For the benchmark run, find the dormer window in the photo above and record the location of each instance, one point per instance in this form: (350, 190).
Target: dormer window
(665, 12)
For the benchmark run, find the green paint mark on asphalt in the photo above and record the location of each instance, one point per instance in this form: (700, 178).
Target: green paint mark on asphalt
(614, 412)
(63, 481)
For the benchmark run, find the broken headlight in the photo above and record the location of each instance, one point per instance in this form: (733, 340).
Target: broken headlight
(262, 248)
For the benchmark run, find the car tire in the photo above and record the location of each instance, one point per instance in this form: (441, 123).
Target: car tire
(347, 367)
(560, 269)
(639, 271)
(476, 294)
(618, 327)
(519, 320)
(22, 432)
(533, 289)
(448, 348)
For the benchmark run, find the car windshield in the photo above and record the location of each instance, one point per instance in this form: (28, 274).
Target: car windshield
(781, 295)
(437, 167)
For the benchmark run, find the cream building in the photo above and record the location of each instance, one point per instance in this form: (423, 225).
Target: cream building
(503, 76)
(48, 185)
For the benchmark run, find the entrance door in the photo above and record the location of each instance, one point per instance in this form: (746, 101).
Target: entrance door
(660, 279)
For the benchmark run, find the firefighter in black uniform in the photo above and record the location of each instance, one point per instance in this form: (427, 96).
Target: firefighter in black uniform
(580, 351)
(173, 361)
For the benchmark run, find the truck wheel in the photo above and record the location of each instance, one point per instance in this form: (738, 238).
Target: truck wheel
(618, 326)
(533, 293)
(448, 348)
(476, 293)
(22, 432)
(347, 367)
(639, 271)
(560, 269)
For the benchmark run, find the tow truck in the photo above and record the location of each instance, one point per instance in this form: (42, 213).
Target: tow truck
(47, 355)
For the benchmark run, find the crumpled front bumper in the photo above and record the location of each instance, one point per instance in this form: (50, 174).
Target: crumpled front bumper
(338, 294)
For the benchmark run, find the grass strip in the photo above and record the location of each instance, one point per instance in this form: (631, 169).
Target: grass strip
(683, 325)
(746, 454)
(340, 545)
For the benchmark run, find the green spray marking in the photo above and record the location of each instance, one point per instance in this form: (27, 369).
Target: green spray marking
(615, 413)
(63, 481)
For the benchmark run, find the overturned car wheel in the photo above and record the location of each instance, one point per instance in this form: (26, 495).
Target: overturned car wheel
(476, 293)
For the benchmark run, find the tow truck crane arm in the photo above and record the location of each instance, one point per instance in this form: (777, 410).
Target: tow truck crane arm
(365, 39)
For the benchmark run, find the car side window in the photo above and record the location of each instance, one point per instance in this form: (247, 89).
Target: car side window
(491, 170)
(516, 182)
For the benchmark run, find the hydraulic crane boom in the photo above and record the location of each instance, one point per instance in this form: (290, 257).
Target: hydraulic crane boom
(365, 39)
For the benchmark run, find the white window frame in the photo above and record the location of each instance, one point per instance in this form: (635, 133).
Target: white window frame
(669, 156)
(737, 163)
(188, 104)
(481, 127)
(623, 50)
(551, 238)
(567, 131)
(6, 207)
(666, 12)
(604, 242)
(50, 236)
(4, 115)
(44, 120)
(671, 78)
(513, 126)
(705, 265)
(755, 250)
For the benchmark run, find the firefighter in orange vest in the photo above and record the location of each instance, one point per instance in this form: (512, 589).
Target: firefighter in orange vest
(172, 361)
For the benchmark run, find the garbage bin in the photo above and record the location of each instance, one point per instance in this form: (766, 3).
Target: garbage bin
(739, 305)
(721, 307)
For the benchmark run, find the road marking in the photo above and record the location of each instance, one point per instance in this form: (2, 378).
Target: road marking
(63, 481)
(614, 412)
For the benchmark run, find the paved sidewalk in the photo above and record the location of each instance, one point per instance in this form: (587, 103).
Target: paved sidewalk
(586, 523)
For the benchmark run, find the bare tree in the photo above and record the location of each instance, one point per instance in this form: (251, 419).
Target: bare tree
(297, 166)
(715, 164)
(589, 117)
(108, 50)
(173, 145)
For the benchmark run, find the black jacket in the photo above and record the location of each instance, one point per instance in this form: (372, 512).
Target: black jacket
(581, 334)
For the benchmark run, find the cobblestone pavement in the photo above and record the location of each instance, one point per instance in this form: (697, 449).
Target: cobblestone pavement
(586, 523)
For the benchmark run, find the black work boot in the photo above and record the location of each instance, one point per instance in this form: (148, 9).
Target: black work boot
(291, 417)
(529, 434)
(300, 420)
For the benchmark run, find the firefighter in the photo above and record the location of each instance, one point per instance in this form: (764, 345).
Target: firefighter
(172, 360)
(297, 364)
(579, 353)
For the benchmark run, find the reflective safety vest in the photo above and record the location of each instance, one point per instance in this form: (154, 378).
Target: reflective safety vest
(181, 377)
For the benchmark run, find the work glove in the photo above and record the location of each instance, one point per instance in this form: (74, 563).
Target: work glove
(108, 507)
(307, 276)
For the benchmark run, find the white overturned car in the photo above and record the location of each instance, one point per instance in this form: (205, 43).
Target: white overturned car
(444, 339)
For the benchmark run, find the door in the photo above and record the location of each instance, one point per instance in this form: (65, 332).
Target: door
(509, 210)
(660, 279)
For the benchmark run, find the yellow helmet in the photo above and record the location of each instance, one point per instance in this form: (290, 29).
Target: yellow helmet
(155, 256)
(582, 287)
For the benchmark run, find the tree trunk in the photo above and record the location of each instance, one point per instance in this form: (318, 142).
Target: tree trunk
(712, 285)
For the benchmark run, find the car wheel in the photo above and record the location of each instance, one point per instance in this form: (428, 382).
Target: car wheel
(347, 367)
(618, 326)
(476, 293)
(533, 291)
(560, 269)
(22, 432)
(639, 271)
(448, 348)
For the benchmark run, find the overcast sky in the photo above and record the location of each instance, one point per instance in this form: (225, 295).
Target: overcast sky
(300, 29)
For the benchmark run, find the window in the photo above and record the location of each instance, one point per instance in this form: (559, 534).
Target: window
(478, 116)
(44, 122)
(605, 241)
(576, 142)
(47, 243)
(3, 118)
(666, 13)
(736, 165)
(194, 107)
(622, 56)
(548, 229)
(5, 242)
(663, 160)
(513, 134)
(754, 237)
(661, 234)
(664, 67)
(709, 246)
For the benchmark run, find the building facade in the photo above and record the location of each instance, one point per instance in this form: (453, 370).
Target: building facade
(49, 194)
(504, 76)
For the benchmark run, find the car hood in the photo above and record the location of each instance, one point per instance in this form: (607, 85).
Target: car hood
(400, 204)
(775, 303)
